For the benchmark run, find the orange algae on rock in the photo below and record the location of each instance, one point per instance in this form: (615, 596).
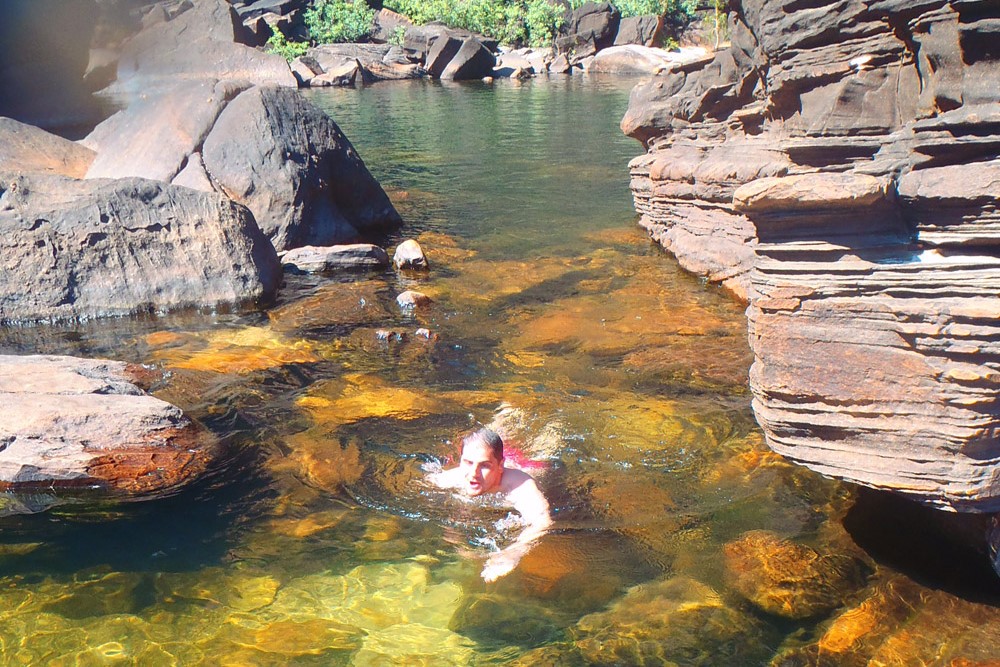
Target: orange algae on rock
(239, 351)
(360, 396)
(789, 579)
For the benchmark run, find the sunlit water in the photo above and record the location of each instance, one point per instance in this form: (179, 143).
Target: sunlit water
(316, 541)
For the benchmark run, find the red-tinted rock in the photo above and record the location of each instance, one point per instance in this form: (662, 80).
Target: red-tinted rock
(82, 423)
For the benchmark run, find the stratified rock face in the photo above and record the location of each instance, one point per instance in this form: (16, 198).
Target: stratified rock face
(836, 167)
(79, 249)
(72, 423)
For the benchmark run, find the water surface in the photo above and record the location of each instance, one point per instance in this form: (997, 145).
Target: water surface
(314, 539)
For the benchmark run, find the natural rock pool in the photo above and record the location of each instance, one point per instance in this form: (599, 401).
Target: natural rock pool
(680, 539)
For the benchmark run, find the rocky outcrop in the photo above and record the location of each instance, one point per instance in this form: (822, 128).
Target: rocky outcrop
(296, 171)
(448, 53)
(588, 29)
(80, 249)
(85, 424)
(199, 43)
(836, 167)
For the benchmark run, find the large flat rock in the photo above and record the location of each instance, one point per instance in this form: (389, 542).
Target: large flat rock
(199, 43)
(71, 424)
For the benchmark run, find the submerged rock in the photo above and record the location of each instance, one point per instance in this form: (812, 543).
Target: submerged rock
(900, 623)
(789, 579)
(676, 620)
(83, 249)
(85, 424)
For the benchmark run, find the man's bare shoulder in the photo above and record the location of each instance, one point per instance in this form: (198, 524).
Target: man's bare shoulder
(514, 479)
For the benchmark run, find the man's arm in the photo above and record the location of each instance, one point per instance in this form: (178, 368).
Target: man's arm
(531, 504)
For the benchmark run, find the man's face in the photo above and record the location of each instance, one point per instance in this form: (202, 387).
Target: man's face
(480, 471)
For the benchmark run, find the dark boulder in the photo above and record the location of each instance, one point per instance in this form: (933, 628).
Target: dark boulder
(588, 29)
(473, 61)
(641, 30)
(80, 249)
(292, 166)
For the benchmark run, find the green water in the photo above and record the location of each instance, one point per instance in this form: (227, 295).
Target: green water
(314, 540)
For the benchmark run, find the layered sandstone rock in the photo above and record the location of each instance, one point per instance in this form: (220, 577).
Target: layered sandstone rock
(837, 168)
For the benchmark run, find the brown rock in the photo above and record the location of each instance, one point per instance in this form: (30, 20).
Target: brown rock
(25, 148)
(789, 579)
(77, 423)
(856, 223)
(198, 43)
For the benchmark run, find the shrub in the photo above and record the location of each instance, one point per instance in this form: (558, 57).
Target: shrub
(287, 50)
(331, 21)
(534, 22)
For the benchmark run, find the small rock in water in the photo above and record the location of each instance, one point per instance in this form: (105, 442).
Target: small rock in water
(411, 299)
(409, 255)
(387, 335)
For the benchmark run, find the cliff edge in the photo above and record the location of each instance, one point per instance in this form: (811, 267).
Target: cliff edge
(837, 168)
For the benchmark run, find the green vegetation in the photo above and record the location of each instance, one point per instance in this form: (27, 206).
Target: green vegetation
(534, 22)
(287, 50)
(331, 21)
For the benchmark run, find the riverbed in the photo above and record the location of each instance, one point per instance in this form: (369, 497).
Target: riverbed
(314, 540)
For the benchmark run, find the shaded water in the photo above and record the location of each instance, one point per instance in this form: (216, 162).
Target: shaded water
(314, 541)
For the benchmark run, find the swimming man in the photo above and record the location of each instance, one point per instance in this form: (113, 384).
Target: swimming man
(481, 472)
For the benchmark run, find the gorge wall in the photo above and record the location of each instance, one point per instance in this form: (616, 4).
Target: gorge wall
(837, 168)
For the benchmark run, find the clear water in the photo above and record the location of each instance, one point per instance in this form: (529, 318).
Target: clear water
(315, 541)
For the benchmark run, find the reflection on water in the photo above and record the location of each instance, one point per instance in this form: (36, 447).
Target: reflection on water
(680, 538)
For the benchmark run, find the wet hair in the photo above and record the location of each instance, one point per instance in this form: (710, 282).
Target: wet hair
(488, 437)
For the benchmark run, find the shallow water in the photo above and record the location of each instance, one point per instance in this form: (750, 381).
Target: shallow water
(315, 541)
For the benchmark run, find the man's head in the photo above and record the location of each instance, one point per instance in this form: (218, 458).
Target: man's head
(481, 462)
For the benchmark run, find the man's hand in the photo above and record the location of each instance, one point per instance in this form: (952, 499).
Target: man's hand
(500, 563)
